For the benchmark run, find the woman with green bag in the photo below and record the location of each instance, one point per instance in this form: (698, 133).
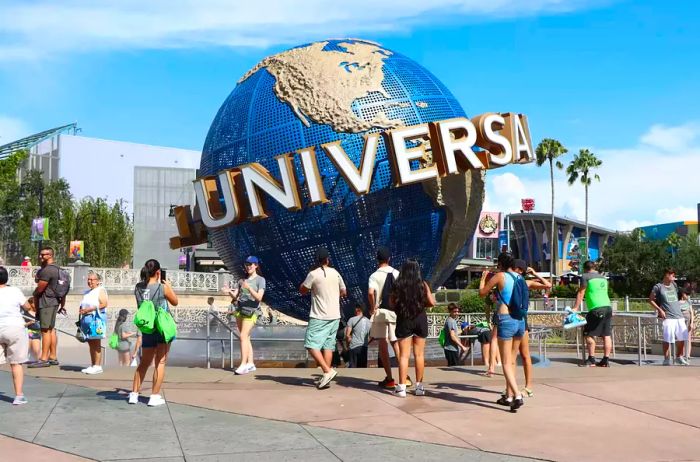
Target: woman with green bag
(154, 287)
(124, 338)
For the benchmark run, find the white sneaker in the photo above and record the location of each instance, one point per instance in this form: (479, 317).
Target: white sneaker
(156, 400)
(87, 370)
(94, 370)
(326, 378)
(251, 367)
(420, 391)
(683, 361)
(667, 362)
(242, 369)
(400, 391)
(133, 398)
(687, 359)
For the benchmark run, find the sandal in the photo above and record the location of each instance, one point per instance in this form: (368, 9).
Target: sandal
(488, 374)
(528, 392)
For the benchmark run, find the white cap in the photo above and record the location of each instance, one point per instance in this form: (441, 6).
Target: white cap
(27, 258)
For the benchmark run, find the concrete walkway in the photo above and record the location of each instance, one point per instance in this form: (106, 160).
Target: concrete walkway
(621, 413)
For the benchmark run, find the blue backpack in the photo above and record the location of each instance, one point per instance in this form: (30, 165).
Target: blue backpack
(519, 299)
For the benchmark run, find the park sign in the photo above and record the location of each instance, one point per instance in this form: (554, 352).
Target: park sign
(416, 154)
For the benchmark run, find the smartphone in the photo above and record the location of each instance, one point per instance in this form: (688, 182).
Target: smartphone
(162, 275)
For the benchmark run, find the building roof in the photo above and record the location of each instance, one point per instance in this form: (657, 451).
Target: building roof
(547, 217)
(32, 140)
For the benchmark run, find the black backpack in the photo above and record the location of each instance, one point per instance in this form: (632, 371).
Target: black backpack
(386, 291)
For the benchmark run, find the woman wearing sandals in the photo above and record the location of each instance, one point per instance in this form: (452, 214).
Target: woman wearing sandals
(247, 297)
(154, 347)
(510, 331)
(410, 295)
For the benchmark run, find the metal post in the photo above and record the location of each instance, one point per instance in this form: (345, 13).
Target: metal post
(231, 349)
(556, 303)
(208, 338)
(223, 355)
(639, 340)
(627, 303)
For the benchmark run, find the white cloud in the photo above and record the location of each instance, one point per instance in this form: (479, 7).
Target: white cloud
(651, 183)
(12, 129)
(45, 28)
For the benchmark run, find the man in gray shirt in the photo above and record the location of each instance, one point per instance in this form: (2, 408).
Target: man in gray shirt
(664, 299)
(357, 335)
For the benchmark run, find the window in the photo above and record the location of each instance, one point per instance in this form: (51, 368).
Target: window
(486, 248)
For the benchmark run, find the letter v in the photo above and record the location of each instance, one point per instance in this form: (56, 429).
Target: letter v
(359, 179)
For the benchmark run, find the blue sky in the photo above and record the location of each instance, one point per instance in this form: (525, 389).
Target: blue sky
(619, 77)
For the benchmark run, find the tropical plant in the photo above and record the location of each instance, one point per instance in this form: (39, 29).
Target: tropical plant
(548, 151)
(580, 169)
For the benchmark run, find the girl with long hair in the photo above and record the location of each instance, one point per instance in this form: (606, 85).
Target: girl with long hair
(154, 347)
(247, 297)
(410, 295)
(509, 330)
(125, 337)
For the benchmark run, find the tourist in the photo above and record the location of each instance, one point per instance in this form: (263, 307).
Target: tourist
(382, 317)
(538, 283)
(326, 287)
(126, 338)
(26, 265)
(247, 297)
(492, 356)
(93, 321)
(48, 303)
(410, 295)
(689, 315)
(483, 336)
(33, 330)
(357, 336)
(341, 353)
(664, 299)
(594, 288)
(510, 330)
(154, 347)
(14, 342)
(453, 346)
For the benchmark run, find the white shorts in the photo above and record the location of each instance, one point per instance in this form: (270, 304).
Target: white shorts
(14, 345)
(381, 328)
(675, 330)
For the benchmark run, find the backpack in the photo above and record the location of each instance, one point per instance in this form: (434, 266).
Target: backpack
(165, 324)
(145, 317)
(114, 341)
(442, 338)
(519, 299)
(386, 290)
(62, 283)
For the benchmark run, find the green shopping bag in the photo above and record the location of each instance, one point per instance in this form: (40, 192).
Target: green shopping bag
(145, 317)
(114, 341)
(166, 325)
(442, 338)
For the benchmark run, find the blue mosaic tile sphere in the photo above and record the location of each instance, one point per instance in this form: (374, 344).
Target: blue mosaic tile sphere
(323, 92)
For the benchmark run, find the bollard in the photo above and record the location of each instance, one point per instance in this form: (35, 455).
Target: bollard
(208, 338)
(627, 303)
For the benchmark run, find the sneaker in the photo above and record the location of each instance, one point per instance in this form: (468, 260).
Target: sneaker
(516, 404)
(590, 362)
(53, 362)
(667, 362)
(86, 370)
(19, 400)
(95, 370)
(326, 379)
(242, 369)
(133, 398)
(400, 391)
(687, 359)
(387, 383)
(251, 367)
(156, 400)
(420, 391)
(680, 361)
(504, 401)
(39, 364)
(603, 363)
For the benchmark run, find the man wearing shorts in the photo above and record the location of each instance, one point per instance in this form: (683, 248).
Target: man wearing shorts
(47, 304)
(594, 287)
(14, 343)
(326, 287)
(383, 319)
(664, 299)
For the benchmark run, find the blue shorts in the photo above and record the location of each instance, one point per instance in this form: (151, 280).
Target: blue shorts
(509, 327)
(321, 334)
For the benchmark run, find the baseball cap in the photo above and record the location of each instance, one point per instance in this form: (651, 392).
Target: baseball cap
(520, 264)
(321, 253)
(27, 258)
(383, 253)
(252, 259)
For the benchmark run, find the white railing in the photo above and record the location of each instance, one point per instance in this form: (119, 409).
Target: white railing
(25, 277)
(118, 279)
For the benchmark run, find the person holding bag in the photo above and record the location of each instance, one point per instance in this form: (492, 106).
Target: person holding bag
(246, 298)
(156, 293)
(93, 319)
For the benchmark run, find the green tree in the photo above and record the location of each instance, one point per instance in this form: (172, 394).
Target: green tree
(687, 259)
(106, 230)
(580, 168)
(548, 151)
(673, 241)
(635, 265)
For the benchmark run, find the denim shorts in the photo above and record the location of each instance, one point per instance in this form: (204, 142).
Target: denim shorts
(509, 327)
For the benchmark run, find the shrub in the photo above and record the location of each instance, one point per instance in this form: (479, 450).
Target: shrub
(472, 303)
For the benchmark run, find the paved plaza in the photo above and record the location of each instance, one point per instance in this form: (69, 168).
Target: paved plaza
(623, 413)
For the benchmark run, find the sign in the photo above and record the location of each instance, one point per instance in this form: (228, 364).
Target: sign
(237, 194)
(76, 250)
(503, 240)
(489, 225)
(40, 230)
(528, 205)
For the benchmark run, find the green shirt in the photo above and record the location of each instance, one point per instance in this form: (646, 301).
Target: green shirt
(596, 290)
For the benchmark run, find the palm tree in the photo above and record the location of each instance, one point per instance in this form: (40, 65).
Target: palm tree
(548, 151)
(580, 167)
